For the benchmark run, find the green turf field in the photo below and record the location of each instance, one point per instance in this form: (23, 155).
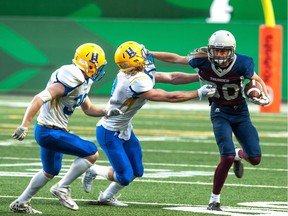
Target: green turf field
(179, 154)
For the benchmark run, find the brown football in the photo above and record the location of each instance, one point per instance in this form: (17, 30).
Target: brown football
(253, 89)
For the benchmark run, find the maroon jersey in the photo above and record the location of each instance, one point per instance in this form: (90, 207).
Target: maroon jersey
(229, 81)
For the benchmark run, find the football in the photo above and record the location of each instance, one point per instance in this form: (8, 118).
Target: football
(253, 89)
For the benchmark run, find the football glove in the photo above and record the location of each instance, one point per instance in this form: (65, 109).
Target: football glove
(149, 59)
(145, 52)
(113, 112)
(264, 100)
(20, 133)
(206, 91)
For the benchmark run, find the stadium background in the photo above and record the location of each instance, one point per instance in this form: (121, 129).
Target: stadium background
(39, 36)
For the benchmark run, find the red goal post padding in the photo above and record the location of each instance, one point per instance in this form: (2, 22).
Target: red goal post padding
(270, 65)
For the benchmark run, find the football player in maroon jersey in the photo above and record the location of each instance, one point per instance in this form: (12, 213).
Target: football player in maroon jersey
(218, 64)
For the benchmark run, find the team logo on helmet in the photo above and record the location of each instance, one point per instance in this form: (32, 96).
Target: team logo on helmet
(94, 58)
(130, 52)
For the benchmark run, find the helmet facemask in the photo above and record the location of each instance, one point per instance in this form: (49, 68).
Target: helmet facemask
(220, 61)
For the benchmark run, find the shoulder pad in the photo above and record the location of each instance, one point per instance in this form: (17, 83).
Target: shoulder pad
(70, 76)
(141, 83)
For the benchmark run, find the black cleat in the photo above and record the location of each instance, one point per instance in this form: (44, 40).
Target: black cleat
(214, 206)
(238, 168)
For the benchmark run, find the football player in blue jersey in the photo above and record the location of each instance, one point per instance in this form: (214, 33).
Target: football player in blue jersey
(132, 88)
(219, 65)
(67, 88)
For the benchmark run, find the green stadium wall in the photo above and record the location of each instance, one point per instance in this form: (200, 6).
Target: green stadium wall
(37, 37)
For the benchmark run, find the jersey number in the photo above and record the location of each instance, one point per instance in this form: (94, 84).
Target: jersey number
(229, 91)
(79, 100)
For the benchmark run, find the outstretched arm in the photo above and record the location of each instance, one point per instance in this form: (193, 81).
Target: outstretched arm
(170, 57)
(178, 96)
(176, 78)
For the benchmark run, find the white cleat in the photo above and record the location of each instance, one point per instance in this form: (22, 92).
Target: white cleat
(24, 208)
(113, 201)
(64, 196)
(87, 180)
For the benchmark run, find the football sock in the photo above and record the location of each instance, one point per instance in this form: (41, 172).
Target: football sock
(241, 154)
(101, 170)
(214, 198)
(221, 173)
(78, 167)
(36, 183)
(112, 189)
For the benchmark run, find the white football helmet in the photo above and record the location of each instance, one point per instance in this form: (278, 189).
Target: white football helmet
(221, 40)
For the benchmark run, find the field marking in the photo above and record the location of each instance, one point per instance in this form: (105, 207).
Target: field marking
(203, 152)
(31, 174)
(254, 208)
(208, 183)
(31, 143)
(142, 132)
(203, 106)
(145, 163)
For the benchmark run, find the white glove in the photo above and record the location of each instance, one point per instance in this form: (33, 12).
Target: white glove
(145, 51)
(264, 100)
(113, 112)
(20, 133)
(206, 91)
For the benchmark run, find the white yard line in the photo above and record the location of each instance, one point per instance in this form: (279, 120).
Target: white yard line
(193, 105)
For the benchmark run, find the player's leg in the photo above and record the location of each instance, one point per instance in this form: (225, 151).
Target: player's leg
(51, 167)
(87, 153)
(134, 152)
(248, 138)
(113, 148)
(104, 171)
(67, 143)
(22, 203)
(223, 135)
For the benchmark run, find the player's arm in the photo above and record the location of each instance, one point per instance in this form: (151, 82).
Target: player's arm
(258, 79)
(91, 109)
(178, 96)
(96, 111)
(170, 57)
(176, 78)
(53, 91)
(264, 99)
